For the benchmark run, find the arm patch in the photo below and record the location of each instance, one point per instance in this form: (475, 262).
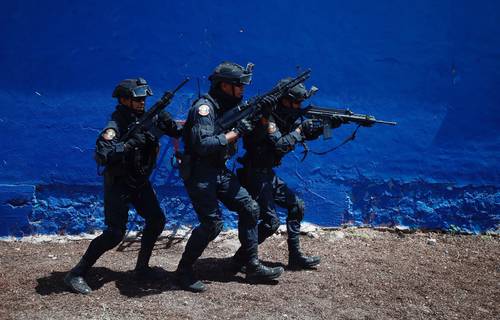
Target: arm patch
(204, 110)
(109, 134)
(271, 127)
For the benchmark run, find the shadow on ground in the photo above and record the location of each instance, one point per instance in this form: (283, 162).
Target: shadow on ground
(223, 270)
(126, 282)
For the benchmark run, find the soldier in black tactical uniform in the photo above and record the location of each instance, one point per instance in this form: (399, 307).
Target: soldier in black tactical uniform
(128, 165)
(270, 141)
(210, 180)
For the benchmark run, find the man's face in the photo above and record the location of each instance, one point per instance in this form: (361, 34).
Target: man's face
(136, 104)
(235, 90)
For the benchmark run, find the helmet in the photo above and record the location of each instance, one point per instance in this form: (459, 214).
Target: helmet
(132, 88)
(232, 73)
(298, 92)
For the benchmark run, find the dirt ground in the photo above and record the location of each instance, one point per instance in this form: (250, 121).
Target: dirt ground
(364, 274)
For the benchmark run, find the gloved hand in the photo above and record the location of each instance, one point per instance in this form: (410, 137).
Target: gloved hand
(165, 117)
(136, 141)
(244, 126)
(312, 129)
(168, 125)
(268, 102)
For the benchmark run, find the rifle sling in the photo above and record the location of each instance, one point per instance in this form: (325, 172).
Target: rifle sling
(351, 137)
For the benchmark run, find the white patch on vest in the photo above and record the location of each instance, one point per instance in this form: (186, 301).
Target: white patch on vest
(271, 127)
(203, 110)
(109, 134)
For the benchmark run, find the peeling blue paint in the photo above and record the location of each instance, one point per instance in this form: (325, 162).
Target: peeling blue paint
(433, 67)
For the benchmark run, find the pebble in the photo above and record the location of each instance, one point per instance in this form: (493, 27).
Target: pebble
(339, 235)
(431, 241)
(313, 235)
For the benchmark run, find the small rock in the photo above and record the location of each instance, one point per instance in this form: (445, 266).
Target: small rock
(313, 235)
(339, 235)
(431, 241)
(402, 229)
(308, 227)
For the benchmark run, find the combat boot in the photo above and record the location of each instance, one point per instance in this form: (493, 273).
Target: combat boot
(74, 279)
(257, 272)
(299, 261)
(187, 280)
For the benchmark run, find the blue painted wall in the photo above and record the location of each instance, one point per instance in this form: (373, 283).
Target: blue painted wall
(433, 66)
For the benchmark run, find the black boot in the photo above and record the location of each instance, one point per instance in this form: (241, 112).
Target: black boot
(257, 272)
(74, 278)
(300, 261)
(297, 260)
(187, 280)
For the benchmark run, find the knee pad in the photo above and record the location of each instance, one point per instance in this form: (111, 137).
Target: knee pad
(113, 235)
(212, 229)
(272, 225)
(250, 214)
(267, 229)
(297, 211)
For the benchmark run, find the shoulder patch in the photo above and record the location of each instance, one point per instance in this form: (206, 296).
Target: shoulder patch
(203, 110)
(109, 134)
(271, 127)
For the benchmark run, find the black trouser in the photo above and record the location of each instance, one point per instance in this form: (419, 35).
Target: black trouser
(205, 187)
(118, 195)
(269, 190)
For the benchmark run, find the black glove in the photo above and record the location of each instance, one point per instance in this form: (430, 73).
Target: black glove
(139, 139)
(168, 125)
(312, 129)
(165, 117)
(244, 126)
(268, 102)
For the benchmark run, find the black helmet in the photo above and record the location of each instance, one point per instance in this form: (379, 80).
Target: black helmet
(298, 92)
(232, 73)
(132, 88)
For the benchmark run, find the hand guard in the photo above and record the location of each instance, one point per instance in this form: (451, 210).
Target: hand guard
(336, 122)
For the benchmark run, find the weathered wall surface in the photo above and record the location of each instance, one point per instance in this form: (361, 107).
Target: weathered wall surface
(432, 66)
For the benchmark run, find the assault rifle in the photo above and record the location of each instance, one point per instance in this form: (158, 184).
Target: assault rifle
(146, 121)
(252, 110)
(331, 118)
